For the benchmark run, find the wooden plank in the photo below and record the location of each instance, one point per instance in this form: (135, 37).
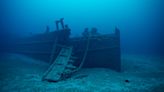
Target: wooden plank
(56, 70)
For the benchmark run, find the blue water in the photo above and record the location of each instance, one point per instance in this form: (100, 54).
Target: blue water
(140, 21)
(141, 24)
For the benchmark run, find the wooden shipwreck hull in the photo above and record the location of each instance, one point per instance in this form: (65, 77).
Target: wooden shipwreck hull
(103, 50)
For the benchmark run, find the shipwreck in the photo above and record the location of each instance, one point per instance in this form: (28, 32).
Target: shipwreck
(67, 55)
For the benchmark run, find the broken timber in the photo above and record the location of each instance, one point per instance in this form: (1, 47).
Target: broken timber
(62, 67)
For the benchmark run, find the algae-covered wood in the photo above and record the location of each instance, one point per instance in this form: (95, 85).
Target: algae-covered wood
(60, 66)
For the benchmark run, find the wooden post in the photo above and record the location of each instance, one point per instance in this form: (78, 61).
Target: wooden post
(117, 33)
